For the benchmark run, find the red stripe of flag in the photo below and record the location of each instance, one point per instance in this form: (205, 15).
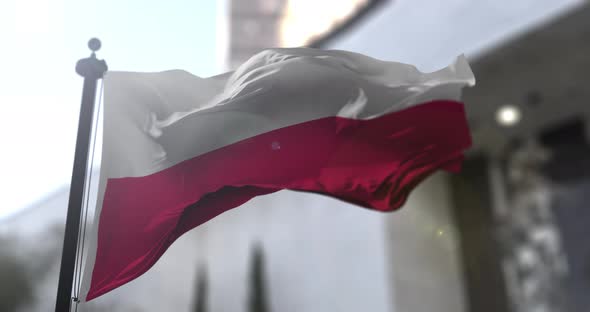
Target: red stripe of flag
(372, 163)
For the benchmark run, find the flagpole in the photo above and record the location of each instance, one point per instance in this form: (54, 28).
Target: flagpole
(92, 70)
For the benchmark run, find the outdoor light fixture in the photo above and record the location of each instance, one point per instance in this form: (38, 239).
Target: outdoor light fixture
(508, 115)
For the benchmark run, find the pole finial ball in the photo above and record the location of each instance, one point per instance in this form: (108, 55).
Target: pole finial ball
(94, 44)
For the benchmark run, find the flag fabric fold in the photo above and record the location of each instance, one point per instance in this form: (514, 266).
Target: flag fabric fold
(179, 150)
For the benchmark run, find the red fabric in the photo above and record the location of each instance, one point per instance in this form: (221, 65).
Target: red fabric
(372, 163)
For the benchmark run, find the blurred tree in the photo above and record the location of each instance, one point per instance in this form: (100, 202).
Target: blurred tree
(15, 287)
(200, 302)
(257, 285)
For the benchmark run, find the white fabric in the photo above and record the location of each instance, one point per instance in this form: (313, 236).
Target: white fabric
(155, 120)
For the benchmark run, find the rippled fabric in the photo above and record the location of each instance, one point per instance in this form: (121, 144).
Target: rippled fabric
(179, 149)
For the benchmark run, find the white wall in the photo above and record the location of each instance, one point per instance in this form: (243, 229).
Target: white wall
(430, 33)
(325, 255)
(424, 251)
(321, 255)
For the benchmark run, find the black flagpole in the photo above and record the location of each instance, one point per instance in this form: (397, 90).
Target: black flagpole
(92, 70)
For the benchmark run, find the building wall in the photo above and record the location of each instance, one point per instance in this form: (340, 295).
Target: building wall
(253, 25)
(424, 251)
(321, 255)
(430, 33)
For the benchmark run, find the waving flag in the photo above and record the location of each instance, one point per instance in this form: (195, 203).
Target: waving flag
(179, 150)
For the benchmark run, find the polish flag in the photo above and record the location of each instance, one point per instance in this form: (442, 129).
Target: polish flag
(179, 150)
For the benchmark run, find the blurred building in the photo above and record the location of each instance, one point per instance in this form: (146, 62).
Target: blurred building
(529, 115)
(253, 25)
(507, 234)
(258, 24)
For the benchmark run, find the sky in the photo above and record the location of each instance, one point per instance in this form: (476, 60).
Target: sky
(40, 42)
